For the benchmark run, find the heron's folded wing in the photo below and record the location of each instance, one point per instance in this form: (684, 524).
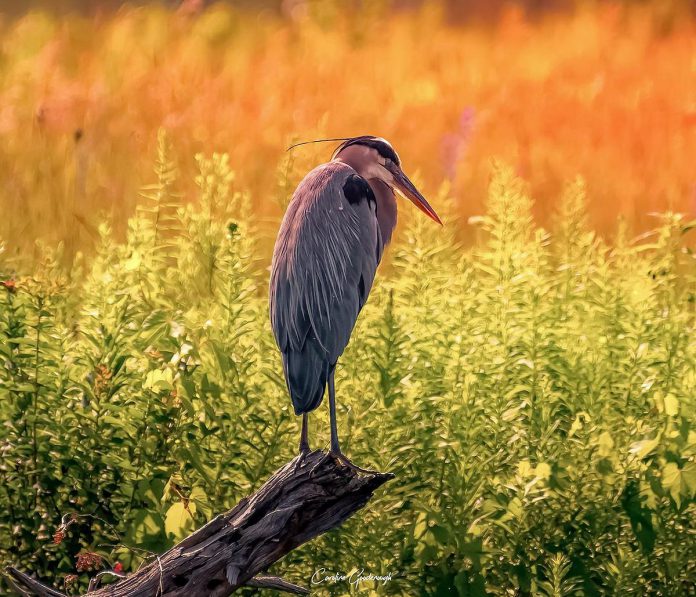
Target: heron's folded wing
(324, 261)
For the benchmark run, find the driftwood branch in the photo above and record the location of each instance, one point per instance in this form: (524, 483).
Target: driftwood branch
(308, 496)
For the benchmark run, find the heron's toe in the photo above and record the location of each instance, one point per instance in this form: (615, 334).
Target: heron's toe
(344, 460)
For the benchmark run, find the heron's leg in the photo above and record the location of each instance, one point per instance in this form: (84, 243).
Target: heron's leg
(304, 442)
(335, 447)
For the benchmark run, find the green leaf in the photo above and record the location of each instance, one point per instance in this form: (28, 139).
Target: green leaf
(159, 380)
(639, 516)
(178, 521)
(440, 533)
(645, 447)
(671, 405)
(605, 443)
(688, 474)
(147, 530)
(672, 481)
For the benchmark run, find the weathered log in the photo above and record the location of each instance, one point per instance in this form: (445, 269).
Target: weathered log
(308, 496)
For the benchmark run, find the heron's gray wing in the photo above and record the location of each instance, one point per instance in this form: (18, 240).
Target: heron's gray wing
(325, 260)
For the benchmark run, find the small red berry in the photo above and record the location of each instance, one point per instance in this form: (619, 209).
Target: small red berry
(10, 285)
(118, 567)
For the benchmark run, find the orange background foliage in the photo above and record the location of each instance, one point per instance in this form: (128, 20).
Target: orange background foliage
(605, 91)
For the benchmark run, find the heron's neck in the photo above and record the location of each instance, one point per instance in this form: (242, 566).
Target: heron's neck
(386, 208)
(358, 157)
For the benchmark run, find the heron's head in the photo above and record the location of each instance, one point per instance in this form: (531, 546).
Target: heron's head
(375, 160)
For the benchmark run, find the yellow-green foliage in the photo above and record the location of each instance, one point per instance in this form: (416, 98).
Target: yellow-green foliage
(534, 395)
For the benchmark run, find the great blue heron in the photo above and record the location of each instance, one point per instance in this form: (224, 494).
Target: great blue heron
(329, 245)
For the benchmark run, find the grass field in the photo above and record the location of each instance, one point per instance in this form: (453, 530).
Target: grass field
(527, 371)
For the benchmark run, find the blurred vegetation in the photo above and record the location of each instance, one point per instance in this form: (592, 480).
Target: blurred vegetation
(531, 383)
(534, 394)
(605, 90)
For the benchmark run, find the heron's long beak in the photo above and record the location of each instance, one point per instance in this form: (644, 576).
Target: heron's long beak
(408, 190)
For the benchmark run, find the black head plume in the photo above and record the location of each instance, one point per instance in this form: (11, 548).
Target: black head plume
(317, 141)
(377, 143)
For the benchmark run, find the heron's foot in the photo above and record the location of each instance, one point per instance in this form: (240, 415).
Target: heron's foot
(303, 452)
(343, 459)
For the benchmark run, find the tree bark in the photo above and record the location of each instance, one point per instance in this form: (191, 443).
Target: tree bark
(308, 496)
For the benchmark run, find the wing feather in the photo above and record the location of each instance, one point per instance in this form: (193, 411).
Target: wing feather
(324, 263)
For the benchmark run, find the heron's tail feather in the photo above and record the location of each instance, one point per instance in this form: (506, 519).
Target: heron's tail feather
(306, 373)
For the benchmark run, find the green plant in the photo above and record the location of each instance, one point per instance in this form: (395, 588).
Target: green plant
(534, 395)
